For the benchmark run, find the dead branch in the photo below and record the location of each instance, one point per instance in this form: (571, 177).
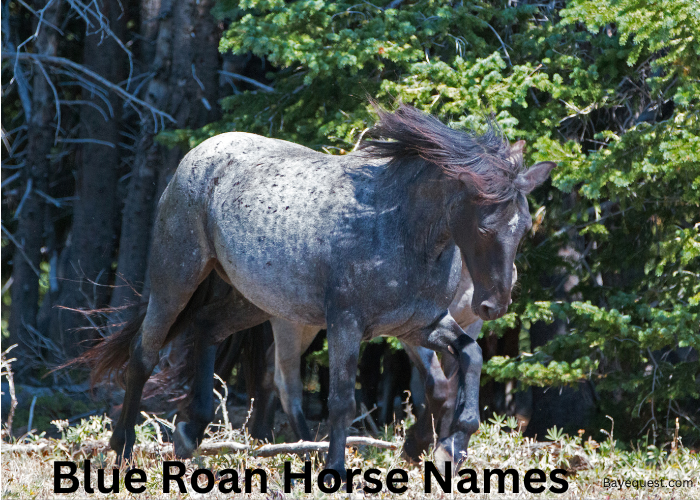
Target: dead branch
(103, 28)
(22, 84)
(206, 448)
(7, 372)
(130, 98)
(242, 78)
(301, 447)
(21, 250)
(55, 96)
(40, 16)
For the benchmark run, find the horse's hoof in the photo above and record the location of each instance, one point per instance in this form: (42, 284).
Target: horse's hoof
(443, 459)
(412, 449)
(122, 447)
(184, 446)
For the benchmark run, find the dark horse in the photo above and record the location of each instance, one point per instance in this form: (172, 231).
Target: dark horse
(268, 369)
(366, 244)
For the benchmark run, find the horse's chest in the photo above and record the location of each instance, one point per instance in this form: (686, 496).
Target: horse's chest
(397, 296)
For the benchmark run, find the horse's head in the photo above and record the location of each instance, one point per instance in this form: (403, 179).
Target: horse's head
(488, 234)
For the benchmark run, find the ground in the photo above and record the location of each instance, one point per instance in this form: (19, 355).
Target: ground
(589, 468)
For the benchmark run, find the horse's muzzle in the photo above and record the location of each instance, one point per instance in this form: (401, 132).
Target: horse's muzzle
(489, 311)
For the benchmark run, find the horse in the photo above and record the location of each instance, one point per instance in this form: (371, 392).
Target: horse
(282, 369)
(365, 244)
(295, 339)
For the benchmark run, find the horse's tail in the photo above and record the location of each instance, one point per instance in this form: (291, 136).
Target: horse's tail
(108, 357)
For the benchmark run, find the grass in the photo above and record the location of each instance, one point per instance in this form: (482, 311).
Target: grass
(497, 445)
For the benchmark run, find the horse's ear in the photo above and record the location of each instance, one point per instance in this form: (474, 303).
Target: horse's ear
(516, 151)
(536, 175)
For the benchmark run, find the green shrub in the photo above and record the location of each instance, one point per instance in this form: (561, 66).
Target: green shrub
(607, 88)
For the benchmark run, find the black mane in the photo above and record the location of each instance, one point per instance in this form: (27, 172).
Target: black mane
(484, 161)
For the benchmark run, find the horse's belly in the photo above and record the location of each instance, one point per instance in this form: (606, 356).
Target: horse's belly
(281, 274)
(283, 303)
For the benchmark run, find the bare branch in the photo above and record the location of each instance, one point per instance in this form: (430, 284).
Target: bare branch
(56, 103)
(210, 447)
(11, 178)
(395, 4)
(84, 83)
(78, 102)
(6, 370)
(127, 96)
(7, 144)
(242, 78)
(503, 45)
(88, 140)
(104, 28)
(26, 194)
(21, 250)
(22, 84)
(48, 198)
(40, 16)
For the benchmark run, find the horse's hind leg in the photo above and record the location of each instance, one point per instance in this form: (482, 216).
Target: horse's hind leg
(189, 435)
(163, 307)
(137, 372)
(212, 323)
(262, 420)
(175, 272)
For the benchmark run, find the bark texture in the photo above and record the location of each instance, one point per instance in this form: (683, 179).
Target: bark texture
(93, 236)
(33, 220)
(185, 63)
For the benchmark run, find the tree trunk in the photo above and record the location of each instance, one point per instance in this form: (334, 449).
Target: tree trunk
(186, 56)
(137, 218)
(95, 213)
(33, 220)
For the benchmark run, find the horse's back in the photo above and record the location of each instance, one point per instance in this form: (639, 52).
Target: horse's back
(225, 154)
(267, 210)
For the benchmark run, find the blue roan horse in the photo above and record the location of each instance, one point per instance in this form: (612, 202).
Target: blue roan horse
(366, 244)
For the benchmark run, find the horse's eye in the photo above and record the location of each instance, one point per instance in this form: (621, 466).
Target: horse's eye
(484, 230)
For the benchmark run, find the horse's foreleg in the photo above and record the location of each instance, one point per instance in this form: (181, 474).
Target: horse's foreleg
(189, 435)
(344, 336)
(448, 337)
(427, 427)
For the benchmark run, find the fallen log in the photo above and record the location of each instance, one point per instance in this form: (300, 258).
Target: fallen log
(25, 448)
(300, 447)
(207, 447)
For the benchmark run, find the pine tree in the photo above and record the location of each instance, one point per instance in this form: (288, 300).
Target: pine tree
(608, 89)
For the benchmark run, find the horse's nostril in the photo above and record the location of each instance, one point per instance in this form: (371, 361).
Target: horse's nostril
(487, 310)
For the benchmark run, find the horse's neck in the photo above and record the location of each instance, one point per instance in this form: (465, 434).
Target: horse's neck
(427, 194)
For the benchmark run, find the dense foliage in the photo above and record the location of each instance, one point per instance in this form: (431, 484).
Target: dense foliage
(607, 88)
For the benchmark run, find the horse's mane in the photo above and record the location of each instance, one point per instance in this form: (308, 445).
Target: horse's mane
(484, 161)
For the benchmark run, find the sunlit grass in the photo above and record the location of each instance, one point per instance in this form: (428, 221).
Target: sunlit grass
(497, 445)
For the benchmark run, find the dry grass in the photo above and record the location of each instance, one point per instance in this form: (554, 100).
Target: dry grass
(496, 445)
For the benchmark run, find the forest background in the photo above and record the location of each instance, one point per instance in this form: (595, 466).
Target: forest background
(101, 99)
